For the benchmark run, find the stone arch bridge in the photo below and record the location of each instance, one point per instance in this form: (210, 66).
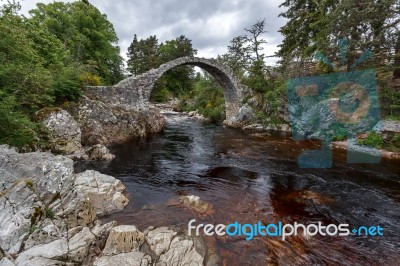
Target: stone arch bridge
(133, 93)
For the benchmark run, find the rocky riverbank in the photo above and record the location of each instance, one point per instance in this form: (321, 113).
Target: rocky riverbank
(83, 130)
(49, 215)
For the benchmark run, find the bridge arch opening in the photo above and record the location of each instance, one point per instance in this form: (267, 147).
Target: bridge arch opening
(225, 78)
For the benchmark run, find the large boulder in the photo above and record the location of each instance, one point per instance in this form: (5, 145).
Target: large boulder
(126, 245)
(104, 191)
(134, 258)
(160, 239)
(99, 152)
(77, 248)
(102, 123)
(244, 117)
(64, 132)
(182, 252)
(123, 239)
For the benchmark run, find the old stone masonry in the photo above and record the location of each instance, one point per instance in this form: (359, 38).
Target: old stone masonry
(133, 93)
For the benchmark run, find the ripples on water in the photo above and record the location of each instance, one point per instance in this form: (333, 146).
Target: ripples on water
(256, 178)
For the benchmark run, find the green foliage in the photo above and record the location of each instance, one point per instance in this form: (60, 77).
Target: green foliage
(67, 85)
(207, 98)
(257, 77)
(339, 138)
(86, 34)
(22, 69)
(160, 95)
(238, 55)
(319, 25)
(16, 129)
(396, 141)
(49, 213)
(143, 55)
(29, 183)
(373, 139)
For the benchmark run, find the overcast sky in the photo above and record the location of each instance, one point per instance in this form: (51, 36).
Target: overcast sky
(210, 24)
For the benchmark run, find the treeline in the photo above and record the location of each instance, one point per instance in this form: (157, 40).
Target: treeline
(47, 59)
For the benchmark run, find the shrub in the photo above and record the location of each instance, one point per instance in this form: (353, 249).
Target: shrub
(373, 140)
(88, 79)
(396, 141)
(339, 138)
(160, 95)
(67, 86)
(16, 129)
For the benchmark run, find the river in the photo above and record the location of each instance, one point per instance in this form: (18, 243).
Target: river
(250, 178)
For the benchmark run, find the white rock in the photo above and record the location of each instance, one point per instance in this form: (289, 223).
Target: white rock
(134, 258)
(100, 152)
(181, 252)
(104, 191)
(6, 262)
(65, 134)
(160, 239)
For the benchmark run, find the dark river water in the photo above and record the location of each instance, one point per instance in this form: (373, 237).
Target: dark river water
(250, 178)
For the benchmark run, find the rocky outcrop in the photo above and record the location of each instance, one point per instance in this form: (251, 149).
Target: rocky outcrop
(48, 214)
(99, 152)
(389, 126)
(126, 245)
(122, 239)
(134, 258)
(102, 123)
(64, 132)
(160, 239)
(243, 117)
(104, 191)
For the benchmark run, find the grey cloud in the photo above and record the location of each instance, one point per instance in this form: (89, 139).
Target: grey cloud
(209, 24)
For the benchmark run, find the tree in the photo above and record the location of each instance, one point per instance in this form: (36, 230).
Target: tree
(25, 82)
(396, 70)
(320, 25)
(22, 68)
(86, 33)
(133, 57)
(143, 55)
(238, 57)
(366, 25)
(246, 59)
(256, 30)
(179, 79)
(306, 27)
